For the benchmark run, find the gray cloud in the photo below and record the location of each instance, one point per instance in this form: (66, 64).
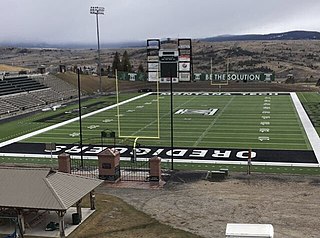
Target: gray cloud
(58, 21)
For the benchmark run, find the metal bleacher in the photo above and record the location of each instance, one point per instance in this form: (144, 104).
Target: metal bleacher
(21, 94)
(47, 95)
(7, 108)
(65, 90)
(17, 84)
(23, 101)
(6, 88)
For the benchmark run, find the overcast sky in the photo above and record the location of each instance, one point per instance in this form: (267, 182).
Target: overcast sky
(69, 21)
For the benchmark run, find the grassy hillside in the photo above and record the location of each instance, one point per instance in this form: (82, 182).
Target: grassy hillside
(91, 83)
(9, 68)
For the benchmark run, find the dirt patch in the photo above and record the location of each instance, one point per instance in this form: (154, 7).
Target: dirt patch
(290, 203)
(114, 218)
(9, 68)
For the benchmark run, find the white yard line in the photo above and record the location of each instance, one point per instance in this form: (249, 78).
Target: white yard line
(213, 122)
(307, 125)
(26, 136)
(310, 131)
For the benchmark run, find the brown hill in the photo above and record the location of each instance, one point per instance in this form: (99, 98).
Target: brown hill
(300, 58)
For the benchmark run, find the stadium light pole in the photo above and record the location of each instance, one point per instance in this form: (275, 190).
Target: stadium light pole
(98, 11)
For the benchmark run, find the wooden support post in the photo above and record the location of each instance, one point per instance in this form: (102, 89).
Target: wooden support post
(21, 221)
(79, 211)
(61, 223)
(92, 200)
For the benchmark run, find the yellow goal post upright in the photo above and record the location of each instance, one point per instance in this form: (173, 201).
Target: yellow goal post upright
(211, 76)
(136, 137)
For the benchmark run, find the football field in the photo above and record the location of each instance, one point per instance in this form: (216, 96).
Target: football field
(207, 127)
(199, 120)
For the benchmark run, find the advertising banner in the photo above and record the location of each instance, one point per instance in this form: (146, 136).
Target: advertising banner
(243, 76)
(184, 58)
(153, 76)
(184, 66)
(153, 58)
(153, 66)
(184, 77)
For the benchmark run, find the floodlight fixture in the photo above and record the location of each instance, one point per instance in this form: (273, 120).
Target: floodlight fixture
(98, 11)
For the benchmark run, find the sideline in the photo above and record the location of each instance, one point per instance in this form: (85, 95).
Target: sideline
(26, 136)
(307, 125)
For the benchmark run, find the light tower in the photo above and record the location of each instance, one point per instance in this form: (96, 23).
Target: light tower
(98, 11)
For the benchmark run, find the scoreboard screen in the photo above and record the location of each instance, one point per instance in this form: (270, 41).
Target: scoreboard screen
(168, 70)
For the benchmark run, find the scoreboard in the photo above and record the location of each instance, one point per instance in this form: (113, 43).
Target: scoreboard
(170, 59)
(168, 66)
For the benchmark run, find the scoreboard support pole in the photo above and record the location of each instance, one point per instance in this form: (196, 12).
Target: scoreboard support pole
(169, 69)
(171, 106)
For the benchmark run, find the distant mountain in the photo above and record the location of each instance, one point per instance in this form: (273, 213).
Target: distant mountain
(291, 35)
(131, 44)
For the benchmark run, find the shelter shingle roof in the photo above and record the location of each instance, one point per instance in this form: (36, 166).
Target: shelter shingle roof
(42, 188)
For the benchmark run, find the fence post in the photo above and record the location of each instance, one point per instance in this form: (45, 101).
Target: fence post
(109, 165)
(155, 169)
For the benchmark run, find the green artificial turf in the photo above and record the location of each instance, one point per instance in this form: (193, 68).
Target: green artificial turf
(257, 122)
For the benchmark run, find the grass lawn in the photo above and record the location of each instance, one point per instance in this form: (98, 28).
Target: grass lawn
(177, 166)
(311, 103)
(114, 218)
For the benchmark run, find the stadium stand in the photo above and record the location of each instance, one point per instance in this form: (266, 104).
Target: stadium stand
(6, 88)
(17, 84)
(23, 101)
(21, 94)
(48, 95)
(6, 108)
(65, 90)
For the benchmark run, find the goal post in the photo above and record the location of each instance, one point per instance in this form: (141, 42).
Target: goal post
(155, 120)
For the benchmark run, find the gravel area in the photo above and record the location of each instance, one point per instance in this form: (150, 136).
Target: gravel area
(290, 203)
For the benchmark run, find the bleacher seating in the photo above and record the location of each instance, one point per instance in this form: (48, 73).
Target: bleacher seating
(47, 95)
(23, 101)
(7, 108)
(20, 94)
(17, 84)
(6, 88)
(66, 90)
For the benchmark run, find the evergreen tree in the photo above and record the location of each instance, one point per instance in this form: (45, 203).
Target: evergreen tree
(126, 65)
(140, 68)
(109, 70)
(116, 63)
